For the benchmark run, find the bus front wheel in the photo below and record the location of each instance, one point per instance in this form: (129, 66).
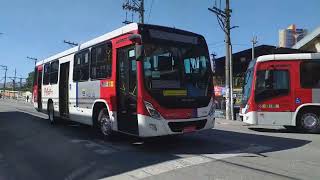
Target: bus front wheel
(105, 123)
(309, 121)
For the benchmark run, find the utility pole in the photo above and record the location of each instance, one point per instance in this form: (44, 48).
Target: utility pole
(224, 22)
(20, 83)
(254, 42)
(141, 12)
(14, 82)
(34, 59)
(231, 85)
(134, 6)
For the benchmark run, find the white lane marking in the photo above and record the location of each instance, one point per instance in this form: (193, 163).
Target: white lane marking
(172, 165)
(77, 173)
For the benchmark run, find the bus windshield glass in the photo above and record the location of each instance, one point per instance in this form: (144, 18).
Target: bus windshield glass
(248, 82)
(177, 70)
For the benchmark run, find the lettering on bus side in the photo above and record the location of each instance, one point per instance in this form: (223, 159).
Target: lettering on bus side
(108, 84)
(89, 91)
(48, 91)
(269, 106)
(122, 40)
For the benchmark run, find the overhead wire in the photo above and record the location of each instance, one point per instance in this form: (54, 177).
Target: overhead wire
(150, 10)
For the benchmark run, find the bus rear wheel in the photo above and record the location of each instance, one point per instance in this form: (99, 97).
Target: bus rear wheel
(308, 121)
(105, 123)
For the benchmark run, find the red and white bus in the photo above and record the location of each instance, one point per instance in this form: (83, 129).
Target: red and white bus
(143, 80)
(283, 89)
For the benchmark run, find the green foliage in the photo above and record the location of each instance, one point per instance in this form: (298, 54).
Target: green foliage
(29, 82)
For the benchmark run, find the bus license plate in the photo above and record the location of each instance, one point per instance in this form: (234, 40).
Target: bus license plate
(189, 129)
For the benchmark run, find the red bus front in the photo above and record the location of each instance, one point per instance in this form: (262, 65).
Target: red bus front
(175, 82)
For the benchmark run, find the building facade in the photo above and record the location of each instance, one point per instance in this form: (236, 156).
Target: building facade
(311, 42)
(290, 36)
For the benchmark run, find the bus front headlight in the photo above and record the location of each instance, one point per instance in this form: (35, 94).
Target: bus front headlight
(152, 111)
(246, 108)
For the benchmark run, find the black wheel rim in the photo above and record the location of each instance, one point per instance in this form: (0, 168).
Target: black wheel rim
(105, 124)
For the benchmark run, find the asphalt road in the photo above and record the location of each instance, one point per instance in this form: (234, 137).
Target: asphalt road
(31, 148)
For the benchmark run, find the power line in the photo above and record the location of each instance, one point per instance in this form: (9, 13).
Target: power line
(134, 6)
(33, 59)
(214, 43)
(150, 10)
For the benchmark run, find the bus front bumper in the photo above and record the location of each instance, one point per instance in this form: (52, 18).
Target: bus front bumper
(150, 127)
(250, 118)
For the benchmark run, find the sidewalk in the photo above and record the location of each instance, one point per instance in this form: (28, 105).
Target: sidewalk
(16, 101)
(223, 121)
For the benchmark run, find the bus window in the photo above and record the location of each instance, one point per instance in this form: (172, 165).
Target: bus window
(132, 73)
(309, 74)
(271, 83)
(81, 66)
(101, 58)
(54, 68)
(46, 74)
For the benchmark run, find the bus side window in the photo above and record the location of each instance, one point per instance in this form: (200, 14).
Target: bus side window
(46, 74)
(309, 74)
(54, 68)
(271, 83)
(101, 61)
(81, 66)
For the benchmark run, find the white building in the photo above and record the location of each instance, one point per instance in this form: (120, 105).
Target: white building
(290, 36)
(311, 42)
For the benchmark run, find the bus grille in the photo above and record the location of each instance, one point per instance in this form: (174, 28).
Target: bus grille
(179, 126)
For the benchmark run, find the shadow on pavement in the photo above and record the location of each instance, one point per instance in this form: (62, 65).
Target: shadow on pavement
(281, 130)
(34, 149)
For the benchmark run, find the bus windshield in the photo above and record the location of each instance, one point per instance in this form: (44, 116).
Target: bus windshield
(177, 70)
(248, 82)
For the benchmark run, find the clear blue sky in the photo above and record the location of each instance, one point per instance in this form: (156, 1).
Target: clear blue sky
(38, 27)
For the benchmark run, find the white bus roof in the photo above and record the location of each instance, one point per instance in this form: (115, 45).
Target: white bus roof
(275, 57)
(107, 36)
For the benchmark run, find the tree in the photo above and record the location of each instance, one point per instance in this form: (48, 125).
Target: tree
(29, 82)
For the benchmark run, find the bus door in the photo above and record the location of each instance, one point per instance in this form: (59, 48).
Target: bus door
(39, 89)
(64, 90)
(274, 94)
(127, 90)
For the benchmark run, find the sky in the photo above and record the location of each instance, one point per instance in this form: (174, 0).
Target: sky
(37, 28)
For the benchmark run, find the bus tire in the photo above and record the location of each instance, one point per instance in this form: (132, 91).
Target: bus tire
(309, 121)
(51, 116)
(105, 123)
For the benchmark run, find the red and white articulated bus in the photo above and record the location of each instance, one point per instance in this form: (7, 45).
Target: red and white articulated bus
(143, 80)
(283, 90)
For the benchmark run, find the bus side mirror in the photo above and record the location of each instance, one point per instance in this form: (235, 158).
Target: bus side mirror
(139, 52)
(137, 40)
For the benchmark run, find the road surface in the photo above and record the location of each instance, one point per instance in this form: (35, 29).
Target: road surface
(31, 148)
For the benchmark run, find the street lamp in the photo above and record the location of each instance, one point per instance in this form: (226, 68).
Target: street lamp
(34, 59)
